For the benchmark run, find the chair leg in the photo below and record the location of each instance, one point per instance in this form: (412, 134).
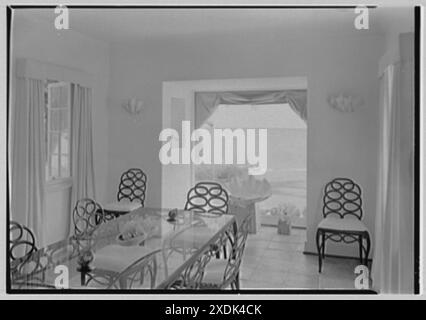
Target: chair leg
(367, 251)
(360, 241)
(323, 246)
(318, 236)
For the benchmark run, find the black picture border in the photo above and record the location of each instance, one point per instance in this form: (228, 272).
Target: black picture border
(270, 292)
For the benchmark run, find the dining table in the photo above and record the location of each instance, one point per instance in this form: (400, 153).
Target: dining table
(179, 244)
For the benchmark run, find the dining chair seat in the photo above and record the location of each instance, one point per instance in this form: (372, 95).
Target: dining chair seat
(213, 273)
(342, 224)
(225, 273)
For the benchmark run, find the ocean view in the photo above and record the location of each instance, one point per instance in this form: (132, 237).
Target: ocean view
(286, 173)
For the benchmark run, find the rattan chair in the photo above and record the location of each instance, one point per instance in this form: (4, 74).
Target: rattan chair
(205, 197)
(87, 216)
(224, 273)
(130, 195)
(22, 241)
(342, 222)
(26, 262)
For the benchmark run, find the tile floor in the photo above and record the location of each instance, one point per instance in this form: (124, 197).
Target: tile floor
(274, 261)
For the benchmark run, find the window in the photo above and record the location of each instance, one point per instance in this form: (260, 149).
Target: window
(57, 129)
(286, 157)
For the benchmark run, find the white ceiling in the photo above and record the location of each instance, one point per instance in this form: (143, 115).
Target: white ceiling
(127, 25)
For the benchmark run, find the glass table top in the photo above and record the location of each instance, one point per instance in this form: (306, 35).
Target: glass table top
(117, 244)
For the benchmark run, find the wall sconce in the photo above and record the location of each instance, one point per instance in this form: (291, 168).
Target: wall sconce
(134, 108)
(345, 102)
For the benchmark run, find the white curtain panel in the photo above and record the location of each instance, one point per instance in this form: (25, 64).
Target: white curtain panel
(393, 262)
(207, 102)
(28, 157)
(82, 169)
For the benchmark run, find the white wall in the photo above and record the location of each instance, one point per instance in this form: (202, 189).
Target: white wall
(338, 144)
(41, 41)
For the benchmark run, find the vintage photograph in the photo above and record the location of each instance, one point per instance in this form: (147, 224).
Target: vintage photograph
(211, 149)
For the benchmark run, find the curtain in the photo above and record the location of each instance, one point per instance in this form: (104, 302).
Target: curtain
(393, 262)
(207, 102)
(28, 157)
(82, 170)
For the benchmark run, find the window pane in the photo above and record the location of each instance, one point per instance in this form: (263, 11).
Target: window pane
(54, 165)
(54, 97)
(55, 120)
(63, 96)
(65, 166)
(65, 143)
(53, 152)
(65, 156)
(59, 96)
(57, 130)
(64, 120)
(54, 143)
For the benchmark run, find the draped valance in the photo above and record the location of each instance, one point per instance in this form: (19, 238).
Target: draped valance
(207, 102)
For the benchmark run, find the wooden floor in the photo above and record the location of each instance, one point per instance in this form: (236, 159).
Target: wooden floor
(277, 261)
